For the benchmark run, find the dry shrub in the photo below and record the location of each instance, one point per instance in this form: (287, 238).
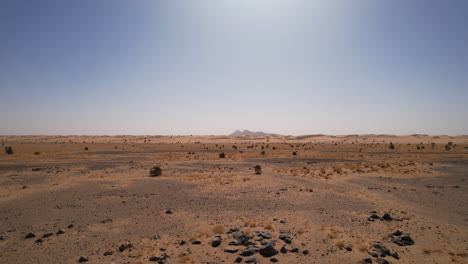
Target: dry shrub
(218, 229)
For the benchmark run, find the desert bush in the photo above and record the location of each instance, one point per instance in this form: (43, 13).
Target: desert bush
(222, 155)
(449, 146)
(155, 171)
(9, 150)
(258, 169)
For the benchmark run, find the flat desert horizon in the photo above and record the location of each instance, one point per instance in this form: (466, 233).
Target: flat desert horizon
(228, 199)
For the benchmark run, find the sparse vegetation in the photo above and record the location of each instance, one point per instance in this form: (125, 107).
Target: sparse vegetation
(9, 150)
(155, 171)
(218, 229)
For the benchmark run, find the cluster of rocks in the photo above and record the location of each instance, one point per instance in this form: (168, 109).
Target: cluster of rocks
(385, 217)
(45, 235)
(379, 251)
(259, 242)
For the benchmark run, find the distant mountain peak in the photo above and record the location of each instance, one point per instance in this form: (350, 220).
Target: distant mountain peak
(246, 132)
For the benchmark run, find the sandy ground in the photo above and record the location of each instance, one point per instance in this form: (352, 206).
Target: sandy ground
(98, 191)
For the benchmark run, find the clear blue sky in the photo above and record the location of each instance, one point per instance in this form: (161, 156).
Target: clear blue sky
(211, 67)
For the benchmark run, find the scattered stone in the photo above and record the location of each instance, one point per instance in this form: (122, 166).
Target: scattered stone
(216, 241)
(382, 261)
(241, 237)
(160, 258)
(47, 235)
(3, 237)
(39, 240)
(196, 242)
(367, 260)
(83, 259)
(250, 243)
(397, 233)
(348, 248)
(108, 253)
(70, 226)
(169, 212)
(60, 231)
(29, 235)
(268, 250)
(232, 230)
(234, 243)
(285, 238)
(231, 250)
(294, 250)
(251, 260)
(387, 217)
(182, 242)
(403, 240)
(125, 246)
(249, 251)
(283, 250)
(238, 260)
(274, 260)
(305, 252)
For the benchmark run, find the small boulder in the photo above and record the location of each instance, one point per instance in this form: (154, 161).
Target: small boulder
(29, 235)
(216, 241)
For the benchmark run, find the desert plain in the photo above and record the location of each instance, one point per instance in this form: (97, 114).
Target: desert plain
(312, 199)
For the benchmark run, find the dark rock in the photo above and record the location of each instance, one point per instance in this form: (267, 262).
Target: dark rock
(251, 260)
(83, 259)
(382, 261)
(70, 226)
(125, 246)
(394, 254)
(259, 238)
(285, 238)
(231, 250)
(29, 235)
(387, 217)
(241, 237)
(60, 231)
(294, 250)
(398, 233)
(108, 253)
(403, 240)
(182, 242)
(348, 248)
(274, 260)
(249, 251)
(216, 241)
(268, 250)
(367, 260)
(47, 235)
(234, 243)
(373, 254)
(305, 252)
(232, 230)
(162, 249)
(250, 243)
(238, 260)
(160, 258)
(283, 250)
(169, 212)
(39, 240)
(3, 237)
(196, 242)
(266, 235)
